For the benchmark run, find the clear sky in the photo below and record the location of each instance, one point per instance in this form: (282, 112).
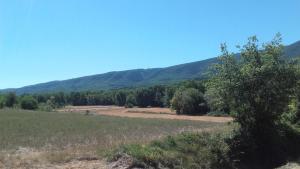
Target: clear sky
(44, 40)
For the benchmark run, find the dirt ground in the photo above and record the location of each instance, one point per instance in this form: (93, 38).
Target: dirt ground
(161, 113)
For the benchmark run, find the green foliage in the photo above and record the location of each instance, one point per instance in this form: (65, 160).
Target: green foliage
(2, 101)
(168, 95)
(120, 98)
(189, 101)
(29, 103)
(152, 96)
(143, 97)
(130, 101)
(217, 114)
(196, 84)
(259, 88)
(219, 94)
(10, 99)
(78, 99)
(187, 150)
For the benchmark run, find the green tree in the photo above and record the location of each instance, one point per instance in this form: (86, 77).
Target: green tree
(130, 101)
(29, 103)
(10, 99)
(143, 97)
(168, 95)
(120, 98)
(258, 88)
(2, 101)
(221, 86)
(189, 101)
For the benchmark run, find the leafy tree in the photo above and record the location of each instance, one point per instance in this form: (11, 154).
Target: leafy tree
(221, 86)
(143, 97)
(11, 99)
(157, 94)
(168, 95)
(120, 98)
(130, 101)
(258, 88)
(196, 84)
(29, 103)
(59, 99)
(189, 101)
(78, 99)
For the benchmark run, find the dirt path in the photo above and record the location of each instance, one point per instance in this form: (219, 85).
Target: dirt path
(156, 113)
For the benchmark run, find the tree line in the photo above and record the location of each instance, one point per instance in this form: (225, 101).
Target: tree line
(169, 96)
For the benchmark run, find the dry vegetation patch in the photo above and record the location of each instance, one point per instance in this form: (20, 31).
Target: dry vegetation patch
(33, 139)
(148, 113)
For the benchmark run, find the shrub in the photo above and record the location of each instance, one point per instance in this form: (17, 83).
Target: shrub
(29, 103)
(189, 101)
(187, 150)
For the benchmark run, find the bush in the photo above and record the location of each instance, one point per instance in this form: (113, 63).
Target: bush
(187, 150)
(29, 103)
(189, 101)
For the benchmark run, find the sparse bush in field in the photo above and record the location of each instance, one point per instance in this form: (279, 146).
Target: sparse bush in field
(189, 101)
(29, 103)
(188, 150)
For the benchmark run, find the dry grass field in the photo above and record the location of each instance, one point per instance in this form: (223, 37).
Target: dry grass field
(148, 113)
(42, 140)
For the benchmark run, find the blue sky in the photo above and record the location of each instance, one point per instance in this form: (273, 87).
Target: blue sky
(44, 40)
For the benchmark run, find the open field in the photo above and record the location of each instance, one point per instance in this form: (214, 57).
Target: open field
(29, 137)
(154, 113)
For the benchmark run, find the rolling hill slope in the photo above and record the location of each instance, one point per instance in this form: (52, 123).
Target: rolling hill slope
(136, 77)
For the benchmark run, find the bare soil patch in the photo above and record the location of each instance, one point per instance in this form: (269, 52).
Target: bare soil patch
(154, 113)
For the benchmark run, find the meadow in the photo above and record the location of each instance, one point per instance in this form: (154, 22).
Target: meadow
(37, 129)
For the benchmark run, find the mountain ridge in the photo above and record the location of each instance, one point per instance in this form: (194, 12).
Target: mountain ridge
(135, 77)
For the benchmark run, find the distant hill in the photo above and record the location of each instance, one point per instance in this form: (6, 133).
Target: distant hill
(136, 77)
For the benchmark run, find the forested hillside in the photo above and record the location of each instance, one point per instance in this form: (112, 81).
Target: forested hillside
(137, 77)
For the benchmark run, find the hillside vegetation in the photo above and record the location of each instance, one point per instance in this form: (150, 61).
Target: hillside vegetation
(138, 77)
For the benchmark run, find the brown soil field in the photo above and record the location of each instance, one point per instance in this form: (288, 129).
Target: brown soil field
(161, 113)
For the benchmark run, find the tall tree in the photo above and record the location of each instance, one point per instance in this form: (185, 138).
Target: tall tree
(258, 88)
